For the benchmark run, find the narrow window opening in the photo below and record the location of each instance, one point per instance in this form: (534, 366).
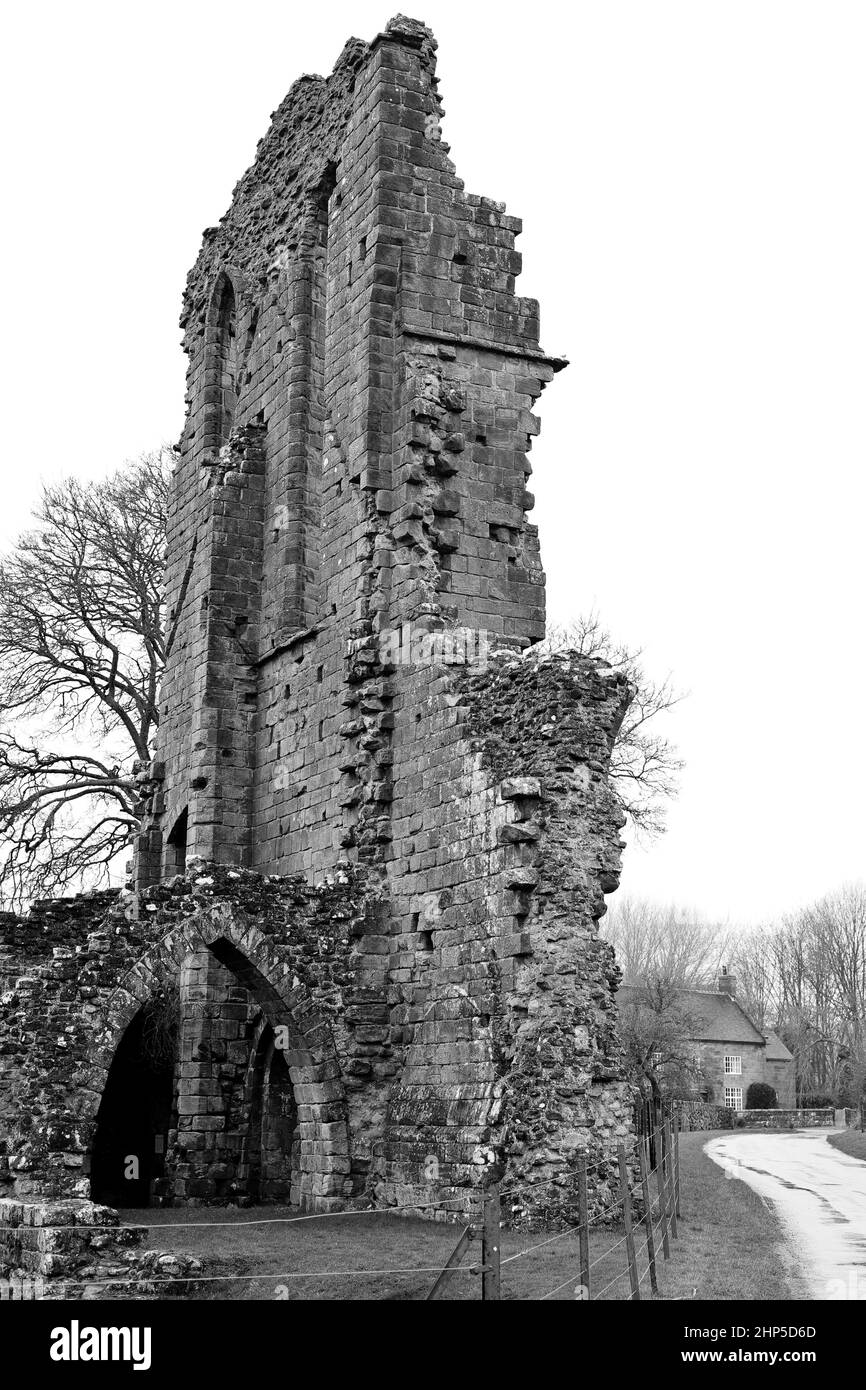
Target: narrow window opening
(177, 842)
(227, 360)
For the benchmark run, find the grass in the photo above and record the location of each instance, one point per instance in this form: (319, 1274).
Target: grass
(728, 1247)
(730, 1243)
(852, 1142)
(342, 1246)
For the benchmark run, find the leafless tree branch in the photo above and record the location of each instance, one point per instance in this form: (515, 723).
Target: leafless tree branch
(81, 653)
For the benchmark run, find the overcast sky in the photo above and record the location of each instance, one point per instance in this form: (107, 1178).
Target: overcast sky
(690, 177)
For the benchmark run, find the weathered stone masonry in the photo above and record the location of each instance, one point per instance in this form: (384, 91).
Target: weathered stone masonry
(367, 888)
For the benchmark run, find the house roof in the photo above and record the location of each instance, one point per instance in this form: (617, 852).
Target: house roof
(776, 1049)
(717, 1017)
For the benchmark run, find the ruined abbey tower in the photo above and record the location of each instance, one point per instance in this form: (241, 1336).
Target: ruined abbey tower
(377, 831)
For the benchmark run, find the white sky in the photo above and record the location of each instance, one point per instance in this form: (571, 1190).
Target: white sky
(691, 180)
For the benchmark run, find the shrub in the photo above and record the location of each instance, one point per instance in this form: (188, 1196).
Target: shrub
(816, 1100)
(761, 1096)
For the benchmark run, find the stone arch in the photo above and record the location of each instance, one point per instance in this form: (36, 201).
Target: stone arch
(134, 1117)
(227, 325)
(263, 967)
(270, 1160)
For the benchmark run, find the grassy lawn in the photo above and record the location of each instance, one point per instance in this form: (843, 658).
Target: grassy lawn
(338, 1248)
(728, 1247)
(852, 1142)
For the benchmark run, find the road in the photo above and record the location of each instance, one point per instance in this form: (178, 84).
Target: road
(820, 1196)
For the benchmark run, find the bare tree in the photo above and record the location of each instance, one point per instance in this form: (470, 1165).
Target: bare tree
(672, 945)
(656, 1030)
(756, 985)
(645, 765)
(806, 977)
(81, 653)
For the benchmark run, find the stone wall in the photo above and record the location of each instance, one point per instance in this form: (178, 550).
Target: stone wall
(355, 458)
(491, 1046)
(223, 937)
(78, 1250)
(377, 832)
(783, 1119)
(713, 1076)
(780, 1075)
(699, 1115)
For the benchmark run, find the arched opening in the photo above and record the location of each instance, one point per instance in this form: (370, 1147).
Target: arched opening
(270, 1164)
(226, 360)
(127, 1164)
(175, 855)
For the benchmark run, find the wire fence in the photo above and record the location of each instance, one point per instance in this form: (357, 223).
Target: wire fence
(647, 1232)
(646, 1202)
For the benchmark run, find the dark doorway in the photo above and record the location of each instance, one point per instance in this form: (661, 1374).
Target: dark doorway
(272, 1148)
(127, 1165)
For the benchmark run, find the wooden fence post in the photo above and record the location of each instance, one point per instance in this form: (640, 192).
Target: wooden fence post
(583, 1228)
(626, 1217)
(453, 1261)
(647, 1201)
(491, 1276)
(677, 1161)
(663, 1208)
(669, 1166)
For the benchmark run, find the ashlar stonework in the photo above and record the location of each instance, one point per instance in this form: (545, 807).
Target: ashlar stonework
(361, 961)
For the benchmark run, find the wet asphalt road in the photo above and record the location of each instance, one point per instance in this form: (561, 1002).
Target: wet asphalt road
(820, 1196)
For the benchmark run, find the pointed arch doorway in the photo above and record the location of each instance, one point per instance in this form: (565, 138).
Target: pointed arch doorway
(137, 1109)
(270, 1163)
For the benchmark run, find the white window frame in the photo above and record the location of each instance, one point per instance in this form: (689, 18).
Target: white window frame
(733, 1097)
(733, 1065)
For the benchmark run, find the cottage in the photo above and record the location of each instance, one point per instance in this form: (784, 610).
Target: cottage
(727, 1049)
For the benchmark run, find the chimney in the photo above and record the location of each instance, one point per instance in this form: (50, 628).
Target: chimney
(726, 984)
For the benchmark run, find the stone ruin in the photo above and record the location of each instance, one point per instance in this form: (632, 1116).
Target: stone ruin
(359, 964)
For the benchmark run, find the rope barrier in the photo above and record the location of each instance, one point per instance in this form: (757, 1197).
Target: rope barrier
(622, 1275)
(575, 1279)
(258, 1221)
(255, 1278)
(519, 1256)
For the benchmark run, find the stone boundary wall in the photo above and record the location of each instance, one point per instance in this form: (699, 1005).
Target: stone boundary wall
(696, 1115)
(782, 1119)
